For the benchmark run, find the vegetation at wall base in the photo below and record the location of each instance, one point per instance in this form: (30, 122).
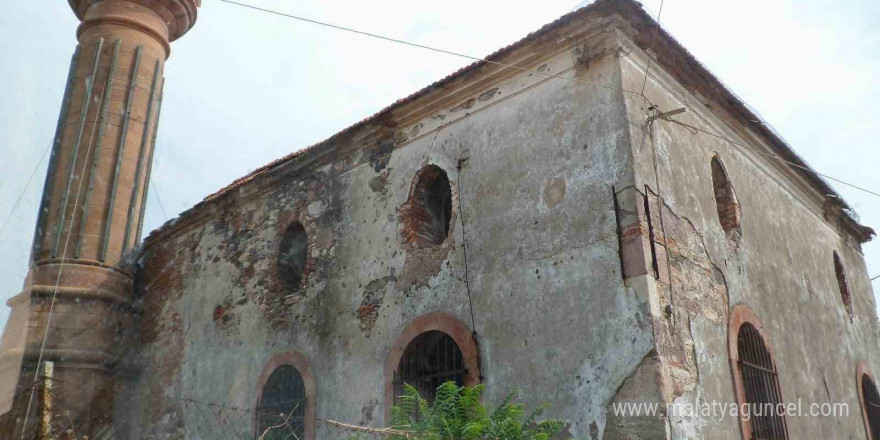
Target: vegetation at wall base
(457, 413)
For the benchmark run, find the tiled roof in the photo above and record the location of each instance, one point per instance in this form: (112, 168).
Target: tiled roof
(670, 55)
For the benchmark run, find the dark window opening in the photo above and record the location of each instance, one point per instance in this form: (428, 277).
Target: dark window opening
(760, 382)
(428, 211)
(431, 359)
(725, 198)
(842, 284)
(293, 257)
(872, 406)
(281, 408)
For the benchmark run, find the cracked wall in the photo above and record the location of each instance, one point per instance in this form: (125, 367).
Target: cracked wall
(779, 264)
(531, 202)
(566, 228)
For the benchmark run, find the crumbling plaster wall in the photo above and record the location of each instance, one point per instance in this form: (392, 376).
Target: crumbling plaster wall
(531, 177)
(781, 267)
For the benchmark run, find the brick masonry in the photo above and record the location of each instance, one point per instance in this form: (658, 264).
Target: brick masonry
(586, 260)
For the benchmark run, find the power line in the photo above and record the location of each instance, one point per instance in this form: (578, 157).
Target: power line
(653, 39)
(422, 46)
(158, 199)
(548, 75)
(24, 190)
(91, 81)
(771, 155)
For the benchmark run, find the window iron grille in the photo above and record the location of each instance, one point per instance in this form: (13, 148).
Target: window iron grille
(431, 359)
(761, 386)
(282, 402)
(872, 406)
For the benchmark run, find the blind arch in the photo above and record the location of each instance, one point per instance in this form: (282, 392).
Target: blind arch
(726, 202)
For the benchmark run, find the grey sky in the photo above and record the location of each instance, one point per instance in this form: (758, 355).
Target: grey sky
(244, 88)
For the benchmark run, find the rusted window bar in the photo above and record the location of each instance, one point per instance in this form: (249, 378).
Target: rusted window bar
(761, 386)
(430, 360)
(283, 398)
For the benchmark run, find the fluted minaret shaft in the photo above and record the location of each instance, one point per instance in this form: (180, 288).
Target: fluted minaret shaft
(76, 301)
(97, 176)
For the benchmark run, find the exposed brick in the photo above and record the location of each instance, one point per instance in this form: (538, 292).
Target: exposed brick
(725, 198)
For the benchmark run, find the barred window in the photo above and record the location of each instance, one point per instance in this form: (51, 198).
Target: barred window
(842, 286)
(760, 382)
(293, 256)
(431, 359)
(725, 198)
(872, 406)
(282, 402)
(428, 210)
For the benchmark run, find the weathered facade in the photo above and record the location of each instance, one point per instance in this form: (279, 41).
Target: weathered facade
(590, 249)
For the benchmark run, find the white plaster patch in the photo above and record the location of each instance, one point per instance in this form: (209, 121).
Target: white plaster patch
(316, 208)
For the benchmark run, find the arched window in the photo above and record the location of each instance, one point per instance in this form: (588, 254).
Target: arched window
(428, 210)
(725, 198)
(293, 256)
(431, 359)
(282, 406)
(425, 342)
(842, 284)
(871, 402)
(760, 386)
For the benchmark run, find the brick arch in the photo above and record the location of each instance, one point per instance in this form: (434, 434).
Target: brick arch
(726, 202)
(442, 322)
(284, 228)
(739, 316)
(842, 284)
(289, 273)
(296, 360)
(863, 371)
(418, 227)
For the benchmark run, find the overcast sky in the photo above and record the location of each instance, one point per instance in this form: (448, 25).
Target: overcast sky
(244, 87)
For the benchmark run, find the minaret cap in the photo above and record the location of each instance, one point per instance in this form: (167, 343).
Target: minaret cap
(179, 15)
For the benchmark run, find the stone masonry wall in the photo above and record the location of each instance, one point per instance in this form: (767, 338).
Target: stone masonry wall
(531, 175)
(779, 264)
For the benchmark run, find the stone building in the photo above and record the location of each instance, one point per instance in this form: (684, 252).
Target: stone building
(590, 216)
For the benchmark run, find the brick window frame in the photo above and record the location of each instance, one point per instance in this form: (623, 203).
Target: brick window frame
(739, 316)
(287, 229)
(442, 322)
(300, 363)
(419, 229)
(842, 284)
(862, 373)
(726, 202)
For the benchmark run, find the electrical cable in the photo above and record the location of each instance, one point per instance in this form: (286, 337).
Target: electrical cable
(422, 46)
(24, 190)
(551, 76)
(64, 252)
(771, 155)
(653, 40)
(158, 199)
(467, 284)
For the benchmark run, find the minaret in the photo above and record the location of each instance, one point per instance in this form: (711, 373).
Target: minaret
(90, 219)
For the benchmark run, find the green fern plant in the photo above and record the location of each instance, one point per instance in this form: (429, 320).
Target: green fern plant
(457, 413)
